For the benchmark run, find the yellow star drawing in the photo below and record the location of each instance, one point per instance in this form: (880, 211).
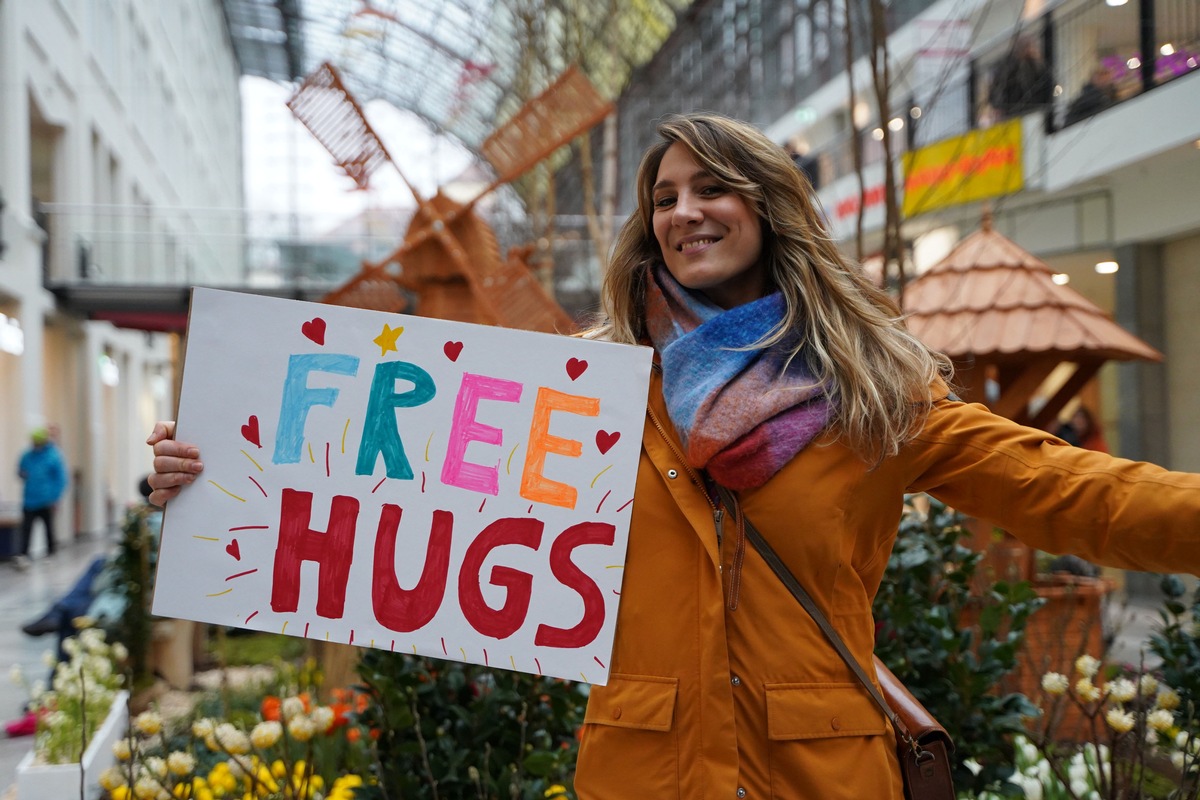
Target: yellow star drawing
(387, 339)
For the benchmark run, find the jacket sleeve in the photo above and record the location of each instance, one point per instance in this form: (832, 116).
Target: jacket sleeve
(1056, 497)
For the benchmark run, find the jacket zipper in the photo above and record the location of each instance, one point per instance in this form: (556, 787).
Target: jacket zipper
(735, 579)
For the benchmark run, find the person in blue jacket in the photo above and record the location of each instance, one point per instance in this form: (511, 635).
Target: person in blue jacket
(41, 468)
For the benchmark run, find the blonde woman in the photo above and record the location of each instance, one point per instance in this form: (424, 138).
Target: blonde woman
(783, 375)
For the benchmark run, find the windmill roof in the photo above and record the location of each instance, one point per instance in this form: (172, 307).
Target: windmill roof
(991, 299)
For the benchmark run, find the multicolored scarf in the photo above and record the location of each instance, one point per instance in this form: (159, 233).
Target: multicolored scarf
(740, 414)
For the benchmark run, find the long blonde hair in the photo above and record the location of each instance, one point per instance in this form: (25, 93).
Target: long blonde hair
(879, 375)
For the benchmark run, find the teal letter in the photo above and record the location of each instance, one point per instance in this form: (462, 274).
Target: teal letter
(380, 434)
(298, 399)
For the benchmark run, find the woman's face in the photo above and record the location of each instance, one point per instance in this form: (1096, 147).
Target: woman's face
(710, 237)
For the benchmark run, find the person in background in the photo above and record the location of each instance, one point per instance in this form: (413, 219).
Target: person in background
(42, 470)
(1021, 83)
(1083, 431)
(1095, 96)
(784, 376)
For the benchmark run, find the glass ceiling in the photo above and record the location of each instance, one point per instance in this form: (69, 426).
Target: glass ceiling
(463, 66)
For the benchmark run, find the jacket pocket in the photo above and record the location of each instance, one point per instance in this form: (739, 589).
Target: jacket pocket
(629, 745)
(829, 740)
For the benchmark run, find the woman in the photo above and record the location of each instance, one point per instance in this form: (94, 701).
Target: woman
(783, 374)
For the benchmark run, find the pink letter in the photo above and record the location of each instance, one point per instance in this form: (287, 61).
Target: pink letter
(464, 430)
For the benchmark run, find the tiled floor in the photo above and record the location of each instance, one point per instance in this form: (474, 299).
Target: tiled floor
(24, 596)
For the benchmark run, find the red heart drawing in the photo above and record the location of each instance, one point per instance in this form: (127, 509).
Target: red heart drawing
(233, 550)
(575, 367)
(314, 329)
(605, 440)
(250, 431)
(452, 349)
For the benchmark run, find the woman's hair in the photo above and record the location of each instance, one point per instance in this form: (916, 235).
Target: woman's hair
(878, 373)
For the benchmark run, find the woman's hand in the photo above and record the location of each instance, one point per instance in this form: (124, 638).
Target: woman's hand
(176, 464)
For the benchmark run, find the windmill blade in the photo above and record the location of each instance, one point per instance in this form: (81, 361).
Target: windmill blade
(569, 107)
(335, 119)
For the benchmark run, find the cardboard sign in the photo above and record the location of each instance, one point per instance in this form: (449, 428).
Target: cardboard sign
(403, 483)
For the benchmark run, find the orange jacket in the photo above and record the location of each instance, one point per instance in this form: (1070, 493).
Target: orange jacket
(722, 687)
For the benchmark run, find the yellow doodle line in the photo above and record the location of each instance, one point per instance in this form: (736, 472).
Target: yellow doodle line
(508, 466)
(598, 474)
(284, 628)
(464, 652)
(428, 442)
(615, 566)
(512, 661)
(585, 680)
(226, 491)
(252, 461)
(206, 538)
(218, 594)
(310, 455)
(344, 435)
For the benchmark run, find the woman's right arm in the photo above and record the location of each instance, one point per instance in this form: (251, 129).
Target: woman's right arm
(176, 464)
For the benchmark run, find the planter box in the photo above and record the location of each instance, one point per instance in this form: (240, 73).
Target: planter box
(61, 781)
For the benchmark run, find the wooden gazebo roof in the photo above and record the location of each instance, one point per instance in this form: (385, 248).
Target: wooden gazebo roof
(990, 302)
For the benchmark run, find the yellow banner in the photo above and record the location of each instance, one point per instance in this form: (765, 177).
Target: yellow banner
(979, 164)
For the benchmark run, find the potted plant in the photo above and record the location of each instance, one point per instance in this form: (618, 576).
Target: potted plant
(79, 719)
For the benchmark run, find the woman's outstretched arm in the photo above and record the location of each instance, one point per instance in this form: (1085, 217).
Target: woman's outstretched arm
(176, 464)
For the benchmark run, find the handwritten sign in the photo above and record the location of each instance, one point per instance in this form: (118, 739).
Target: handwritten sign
(403, 483)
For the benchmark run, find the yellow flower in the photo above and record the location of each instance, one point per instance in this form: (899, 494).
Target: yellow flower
(1086, 666)
(1122, 690)
(265, 734)
(1161, 720)
(112, 778)
(561, 791)
(180, 763)
(1086, 690)
(301, 728)
(1147, 685)
(1054, 683)
(148, 722)
(121, 749)
(1167, 698)
(203, 728)
(122, 793)
(1119, 720)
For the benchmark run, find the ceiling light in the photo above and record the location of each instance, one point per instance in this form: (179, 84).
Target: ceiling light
(1061, 278)
(877, 134)
(915, 112)
(1116, 2)
(1107, 267)
(896, 124)
(1133, 63)
(1167, 49)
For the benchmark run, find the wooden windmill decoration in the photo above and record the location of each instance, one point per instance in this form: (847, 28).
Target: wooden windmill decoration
(995, 310)
(450, 257)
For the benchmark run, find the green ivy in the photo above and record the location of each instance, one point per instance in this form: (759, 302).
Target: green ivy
(449, 730)
(955, 669)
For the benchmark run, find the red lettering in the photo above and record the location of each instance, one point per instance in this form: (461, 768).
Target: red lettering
(573, 577)
(407, 610)
(505, 621)
(331, 549)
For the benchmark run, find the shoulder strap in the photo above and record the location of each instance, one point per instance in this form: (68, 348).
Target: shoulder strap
(789, 580)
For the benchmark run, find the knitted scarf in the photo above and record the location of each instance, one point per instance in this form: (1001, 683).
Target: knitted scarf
(740, 414)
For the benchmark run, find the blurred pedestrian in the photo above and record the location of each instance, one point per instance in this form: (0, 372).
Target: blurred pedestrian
(45, 477)
(1082, 430)
(1022, 83)
(1095, 96)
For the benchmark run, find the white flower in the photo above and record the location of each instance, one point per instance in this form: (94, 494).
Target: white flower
(1078, 771)
(120, 652)
(1167, 698)
(71, 647)
(92, 639)
(1086, 690)
(1079, 788)
(266, 734)
(16, 675)
(1181, 740)
(112, 778)
(1147, 684)
(49, 659)
(1086, 666)
(1033, 788)
(1055, 683)
(37, 690)
(148, 722)
(121, 749)
(232, 739)
(292, 707)
(1029, 751)
(322, 717)
(155, 766)
(236, 768)
(145, 789)
(1122, 690)
(203, 728)
(1160, 720)
(301, 728)
(181, 763)
(1178, 759)
(1119, 720)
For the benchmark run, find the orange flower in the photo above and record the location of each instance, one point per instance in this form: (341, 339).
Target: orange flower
(375, 733)
(270, 708)
(353, 735)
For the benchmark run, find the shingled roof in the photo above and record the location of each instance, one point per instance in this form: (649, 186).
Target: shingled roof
(991, 300)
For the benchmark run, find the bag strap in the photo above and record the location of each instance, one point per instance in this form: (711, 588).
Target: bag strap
(789, 580)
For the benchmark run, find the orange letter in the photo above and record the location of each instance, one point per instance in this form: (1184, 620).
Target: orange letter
(534, 485)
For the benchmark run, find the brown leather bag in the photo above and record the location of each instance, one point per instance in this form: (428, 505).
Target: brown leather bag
(922, 745)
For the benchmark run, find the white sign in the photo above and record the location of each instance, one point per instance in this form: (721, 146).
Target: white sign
(409, 484)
